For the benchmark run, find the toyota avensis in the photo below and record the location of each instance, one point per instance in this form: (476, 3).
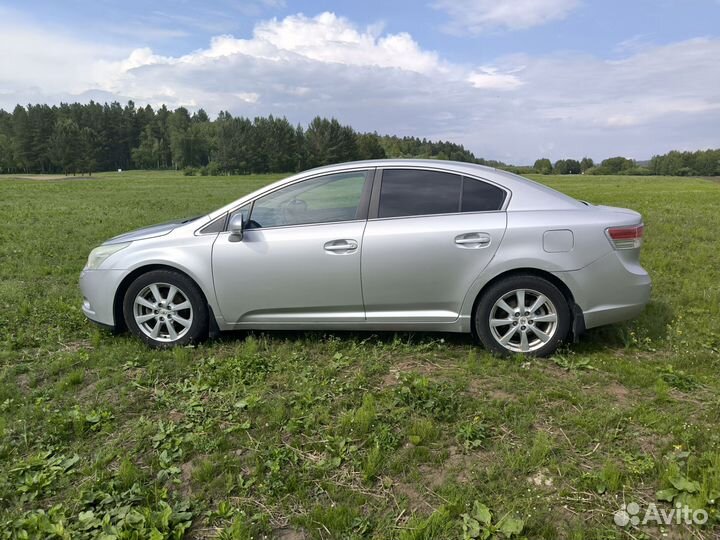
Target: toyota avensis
(379, 245)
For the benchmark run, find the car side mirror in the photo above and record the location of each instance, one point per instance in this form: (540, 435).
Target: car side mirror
(237, 226)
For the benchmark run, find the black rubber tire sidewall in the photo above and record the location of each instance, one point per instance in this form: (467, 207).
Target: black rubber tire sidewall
(198, 328)
(502, 287)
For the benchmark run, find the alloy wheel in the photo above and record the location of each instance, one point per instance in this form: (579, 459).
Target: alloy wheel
(163, 312)
(523, 320)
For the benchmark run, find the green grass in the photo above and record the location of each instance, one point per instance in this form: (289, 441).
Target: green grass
(347, 435)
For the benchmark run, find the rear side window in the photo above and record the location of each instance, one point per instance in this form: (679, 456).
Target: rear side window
(406, 192)
(480, 196)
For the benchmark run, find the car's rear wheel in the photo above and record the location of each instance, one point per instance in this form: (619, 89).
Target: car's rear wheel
(165, 309)
(522, 315)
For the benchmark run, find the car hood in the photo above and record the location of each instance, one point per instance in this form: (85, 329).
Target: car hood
(153, 231)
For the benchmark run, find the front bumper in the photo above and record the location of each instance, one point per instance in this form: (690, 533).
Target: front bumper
(98, 289)
(609, 290)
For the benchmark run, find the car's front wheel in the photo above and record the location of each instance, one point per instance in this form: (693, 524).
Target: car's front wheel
(165, 308)
(522, 315)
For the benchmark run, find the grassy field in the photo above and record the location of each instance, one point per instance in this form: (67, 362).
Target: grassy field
(314, 435)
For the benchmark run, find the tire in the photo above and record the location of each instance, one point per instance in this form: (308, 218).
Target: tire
(536, 333)
(163, 322)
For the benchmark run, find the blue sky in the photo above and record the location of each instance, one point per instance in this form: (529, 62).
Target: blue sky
(509, 79)
(176, 27)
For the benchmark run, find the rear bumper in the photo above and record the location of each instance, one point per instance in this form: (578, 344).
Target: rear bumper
(98, 289)
(609, 290)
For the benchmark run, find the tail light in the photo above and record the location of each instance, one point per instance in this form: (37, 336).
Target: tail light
(626, 237)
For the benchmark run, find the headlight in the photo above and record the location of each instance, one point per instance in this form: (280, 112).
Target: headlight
(99, 254)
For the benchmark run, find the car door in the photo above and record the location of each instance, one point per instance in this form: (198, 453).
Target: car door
(429, 236)
(299, 257)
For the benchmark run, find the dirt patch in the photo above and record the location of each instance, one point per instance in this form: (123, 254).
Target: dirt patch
(501, 395)
(541, 478)
(557, 372)
(619, 393)
(480, 387)
(653, 443)
(76, 346)
(415, 498)
(186, 471)
(89, 390)
(459, 466)
(41, 177)
(288, 534)
(133, 373)
(392, 378)
(176, 416)
(23, 382)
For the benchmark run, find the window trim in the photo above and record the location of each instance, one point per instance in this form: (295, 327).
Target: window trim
(373, 214)
(363, 205)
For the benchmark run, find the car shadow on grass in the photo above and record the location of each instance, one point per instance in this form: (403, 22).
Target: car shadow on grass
(375, 336)
(652, 325)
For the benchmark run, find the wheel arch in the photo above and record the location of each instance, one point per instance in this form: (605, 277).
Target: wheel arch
(118, 314)
(578, 322)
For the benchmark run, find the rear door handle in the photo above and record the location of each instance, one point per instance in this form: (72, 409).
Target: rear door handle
(473, 240)
(341, 246)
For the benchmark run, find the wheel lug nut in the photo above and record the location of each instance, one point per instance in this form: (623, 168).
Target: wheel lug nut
(517, 313)
(522, 328)
(515, 323)
(527, 313)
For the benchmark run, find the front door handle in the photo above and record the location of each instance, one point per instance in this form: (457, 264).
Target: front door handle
(473, 240)
(341, 246)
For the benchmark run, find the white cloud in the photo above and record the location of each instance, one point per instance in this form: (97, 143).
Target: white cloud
(326, 38)
(475, 16)
(489, 78)
(641, 88)
(653, 99)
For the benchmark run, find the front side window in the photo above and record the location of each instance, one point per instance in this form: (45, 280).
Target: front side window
(407, 192)
(335, 197)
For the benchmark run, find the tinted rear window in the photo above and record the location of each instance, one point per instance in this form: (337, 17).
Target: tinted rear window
(480, 196)
(406, 192)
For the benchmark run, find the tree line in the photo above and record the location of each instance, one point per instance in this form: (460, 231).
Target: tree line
(674, 163)
(84, 138)
(80, 138)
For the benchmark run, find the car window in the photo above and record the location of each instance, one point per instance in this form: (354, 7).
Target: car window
(334, 197)
(408, 192)
(480, 196)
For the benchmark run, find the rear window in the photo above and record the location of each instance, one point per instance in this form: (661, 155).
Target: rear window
(406, 192)
(480, 196)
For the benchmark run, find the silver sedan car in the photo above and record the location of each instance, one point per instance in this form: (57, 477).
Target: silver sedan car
(379, 245)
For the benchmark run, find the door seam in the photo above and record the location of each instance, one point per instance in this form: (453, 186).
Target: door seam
(362, 290)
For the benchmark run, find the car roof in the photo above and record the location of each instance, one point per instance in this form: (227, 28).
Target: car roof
(458, 166)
